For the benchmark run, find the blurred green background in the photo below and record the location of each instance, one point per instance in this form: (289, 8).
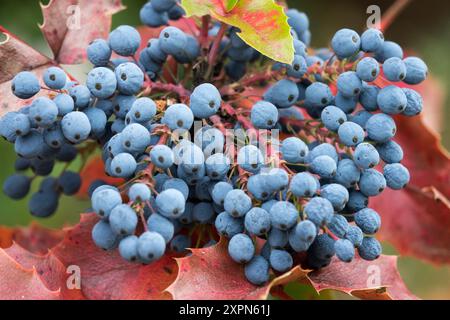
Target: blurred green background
(423, 27)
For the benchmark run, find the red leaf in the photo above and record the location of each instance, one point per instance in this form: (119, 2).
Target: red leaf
(375, 280)
(416, 220)
(16, 56)
(70, 25)
(209, 273)
(94, 170)
(18, 283)
(50, 270)
(105, 275)
(35, 238)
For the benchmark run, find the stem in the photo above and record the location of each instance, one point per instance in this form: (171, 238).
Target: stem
(204, 33)
(215, 49)
(169, 87)
(391, 14)
(144, 222)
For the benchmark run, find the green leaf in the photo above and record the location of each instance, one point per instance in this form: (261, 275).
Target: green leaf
(263, 23)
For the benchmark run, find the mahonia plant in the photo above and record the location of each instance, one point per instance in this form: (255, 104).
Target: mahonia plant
(224, 124)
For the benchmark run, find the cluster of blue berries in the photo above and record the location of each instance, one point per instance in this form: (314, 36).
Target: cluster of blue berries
(312, 197)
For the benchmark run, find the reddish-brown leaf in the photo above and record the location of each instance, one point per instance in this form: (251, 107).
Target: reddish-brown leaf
(18, 283)
(105, 275)
(375, 280)
(94, 170)
(16, 56)
(416, 220)
(70, 25)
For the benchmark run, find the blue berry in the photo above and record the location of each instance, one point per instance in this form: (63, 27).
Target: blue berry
(237, 203)
(150, 17)
(217, 166)
(323, 149)
(186, 217)
(324, 166)
(368, 221)
(257, 221)
(69, 182)
(29, 146)
(176, 12)
(336, 194)
(219, 192)
(339, 225)
(17, 186)
(294, 150)
(303, 185)
(392, 100)
(203, 212)
(43, 112)
(163, 5)
(372, 40)
(170, 203)
(278, 238)
(228, 226)
(81, 95)
(357, 201)
(178, 116)
(318, 95)
(368, 97)
(322, 247)
(390, 151)
(381, 127)
(414, 104)
(257, 271)
(177, 184)
(319, 211)
(135, 138)
(349, 84)
(282, 94)
(43, 204)
(124, 40)
(366, 156)
(180, 243)
(163, 226)
(97, 119)
(368, 69)
(397, 176)
(205, 100)
(139, 192)
(55, 78)
(123, 165)
(142, 110)
(354, 235)
(250, 158)
(298, 21)
(333, 117)
(388, 50)
(351, 134)
(123, 220)
(347, 173)
(18, 124)
(416, 70)
(130, 78)
(99, 53)
(302, 236)
(21, 164)
(65, 104)
(172, 40)
(372, 183)
(241, 248)
(298, 68)
(370, 249)
(76, 126)
(346, 104)
(346, 43)
(394, 69)
(162, 156)
(25, 85)
(128, 248)
(345, 251)
(104, 237)
(281, 260)
(360, 118)
(151, 246)
(283, 215)
(264, 115)
(102, 82)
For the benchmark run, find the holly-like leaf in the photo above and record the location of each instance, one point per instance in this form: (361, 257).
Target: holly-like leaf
(230, 4)
(16, 56)
(94, 170)
(105, 275)
(375, 280)
(210, 273)
(18, 283)
(70, 25)
(416, 220)
(263, 23)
